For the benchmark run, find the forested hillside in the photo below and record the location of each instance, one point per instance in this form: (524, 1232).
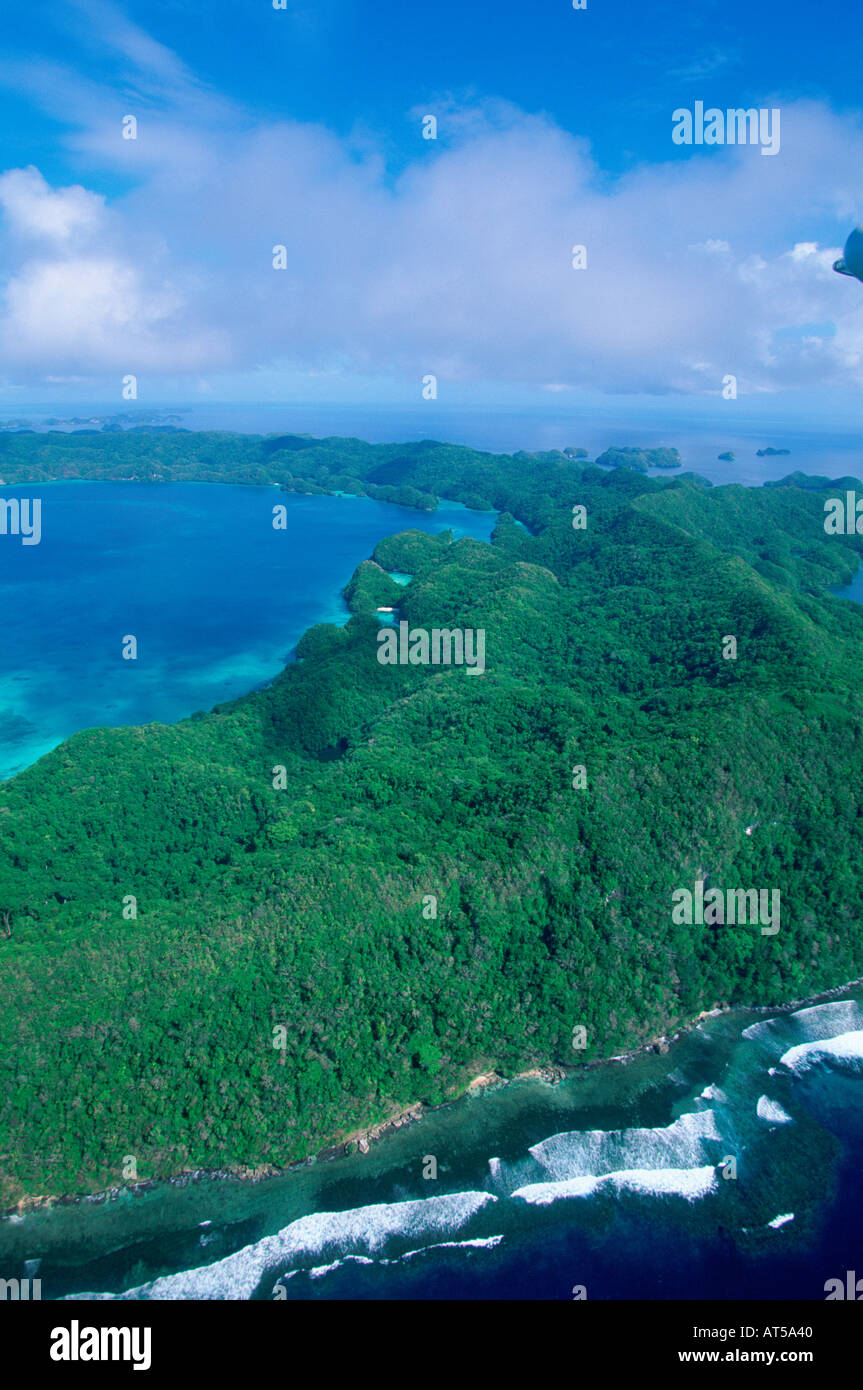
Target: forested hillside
(307, 904)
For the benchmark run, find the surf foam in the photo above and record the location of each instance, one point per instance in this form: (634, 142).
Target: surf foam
(690, 1183)
(847, 1047)
(689, 1142)
(781, 1220)
(772, 1111)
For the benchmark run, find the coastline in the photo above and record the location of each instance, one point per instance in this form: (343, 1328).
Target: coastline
(360, 1140)
(334, 609)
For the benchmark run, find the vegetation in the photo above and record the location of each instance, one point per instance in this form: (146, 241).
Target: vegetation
(641, 459)
(284, 849)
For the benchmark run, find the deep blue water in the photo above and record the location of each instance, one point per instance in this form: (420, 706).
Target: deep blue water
(216, 598)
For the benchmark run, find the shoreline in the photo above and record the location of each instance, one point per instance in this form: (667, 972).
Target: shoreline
(360, 1140)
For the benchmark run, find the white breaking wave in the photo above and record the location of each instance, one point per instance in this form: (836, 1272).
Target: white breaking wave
(480, 1243)
(238, 1275)
(840, 1016)
(844, 1014)
(712, 1092)
(848, 1047)
(772, 1111)
(320, 1270)
(688, 1143)
(690, 1183)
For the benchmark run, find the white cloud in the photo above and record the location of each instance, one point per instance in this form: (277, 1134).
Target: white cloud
(33, 209)
(90, 313)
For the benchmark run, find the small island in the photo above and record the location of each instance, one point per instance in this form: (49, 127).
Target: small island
(727, 457)
(771, 453)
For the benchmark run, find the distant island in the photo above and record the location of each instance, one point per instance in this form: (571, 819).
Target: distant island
(129, 420)
(727, 457)
(642, 459)
(771, 453)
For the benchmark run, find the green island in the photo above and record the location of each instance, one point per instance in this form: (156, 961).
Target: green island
(302, 912)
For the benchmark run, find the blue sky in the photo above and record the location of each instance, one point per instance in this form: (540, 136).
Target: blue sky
(406, 257)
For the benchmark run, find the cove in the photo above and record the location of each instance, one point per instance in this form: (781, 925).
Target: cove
(216, 598)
